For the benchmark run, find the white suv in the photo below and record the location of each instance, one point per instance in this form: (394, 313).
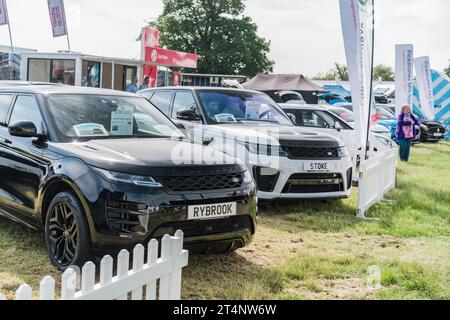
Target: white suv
(286, 161)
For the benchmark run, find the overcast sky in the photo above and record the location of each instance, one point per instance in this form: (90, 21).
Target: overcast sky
(306, 35)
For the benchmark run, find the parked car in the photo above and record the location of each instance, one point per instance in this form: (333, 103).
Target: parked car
(436, 131)
(325, 121)
(291, 97)
(286, 161)
(100, 170)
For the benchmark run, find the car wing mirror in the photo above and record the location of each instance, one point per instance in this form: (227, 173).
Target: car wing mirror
(292, 117)
(187, 115)
(338, 126)
(25, 129)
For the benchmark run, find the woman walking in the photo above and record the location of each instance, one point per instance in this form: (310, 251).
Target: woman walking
(406, 131)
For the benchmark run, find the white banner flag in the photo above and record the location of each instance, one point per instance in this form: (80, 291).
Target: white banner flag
(3, 13)
(425, 86)
(404, 76)
(357, 27)
(57, 17)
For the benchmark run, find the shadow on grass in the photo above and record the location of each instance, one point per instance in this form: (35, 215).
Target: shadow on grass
(230, 277)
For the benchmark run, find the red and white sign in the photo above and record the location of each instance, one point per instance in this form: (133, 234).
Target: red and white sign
(57, 17)
(3, 13)
(176, 78)
(170, 58)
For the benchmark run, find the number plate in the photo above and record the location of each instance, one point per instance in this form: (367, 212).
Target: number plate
(212, 211)
(438, 134)
(316, 166)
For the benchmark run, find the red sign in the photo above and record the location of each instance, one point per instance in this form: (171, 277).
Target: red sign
(176, 78)
(150, 38)
(170, 58)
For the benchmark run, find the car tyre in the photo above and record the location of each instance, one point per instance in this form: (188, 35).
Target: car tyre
(67, 232)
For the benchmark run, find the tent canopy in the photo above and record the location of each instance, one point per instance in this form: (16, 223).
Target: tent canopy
(282, 82)
(338, 90)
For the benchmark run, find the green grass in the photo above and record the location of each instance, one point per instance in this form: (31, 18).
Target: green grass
(310, 249)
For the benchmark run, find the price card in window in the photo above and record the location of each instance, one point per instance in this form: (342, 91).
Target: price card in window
(252, 109)
(122, 122)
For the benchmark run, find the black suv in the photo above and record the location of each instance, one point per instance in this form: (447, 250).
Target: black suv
(100, 170)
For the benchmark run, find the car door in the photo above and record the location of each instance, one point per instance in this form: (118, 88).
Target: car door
(22, 167)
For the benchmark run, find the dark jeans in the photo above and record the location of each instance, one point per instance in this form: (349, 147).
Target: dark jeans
(405, 148)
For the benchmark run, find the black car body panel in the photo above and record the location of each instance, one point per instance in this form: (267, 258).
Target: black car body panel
(121, 214)
(436, 131)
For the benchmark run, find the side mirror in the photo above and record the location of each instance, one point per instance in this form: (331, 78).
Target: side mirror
(338, 126)
(187, 115)
(292, 117)
(25, 129)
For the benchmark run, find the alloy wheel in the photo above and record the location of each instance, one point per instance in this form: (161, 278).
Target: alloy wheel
(62, 233)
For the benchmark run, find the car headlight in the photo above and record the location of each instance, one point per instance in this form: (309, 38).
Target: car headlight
(142, 181)
(343, 152)
(265, 150)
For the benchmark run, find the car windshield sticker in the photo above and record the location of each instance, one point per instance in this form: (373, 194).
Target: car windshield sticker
(90, 129)
(225, 117)
(252, 110)
(122, 121)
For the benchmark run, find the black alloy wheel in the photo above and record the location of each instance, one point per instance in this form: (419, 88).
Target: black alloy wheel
(67, 232)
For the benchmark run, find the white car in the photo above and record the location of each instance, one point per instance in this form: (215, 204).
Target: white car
(286, 161)
(322, 119)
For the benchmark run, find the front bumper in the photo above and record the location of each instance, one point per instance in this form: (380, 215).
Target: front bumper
(292, 181)
(122, 216)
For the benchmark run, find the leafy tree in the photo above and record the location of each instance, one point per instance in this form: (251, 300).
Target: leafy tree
(225, 40)
(447, 70)
(385, 72)
(339, 72)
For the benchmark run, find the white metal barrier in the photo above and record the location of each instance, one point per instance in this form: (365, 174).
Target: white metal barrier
(377, 177)
(166, 268)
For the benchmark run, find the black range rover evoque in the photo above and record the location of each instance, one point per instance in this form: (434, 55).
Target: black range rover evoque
(100, 170)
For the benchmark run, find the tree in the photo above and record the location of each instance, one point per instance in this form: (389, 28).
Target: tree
(447, 71)
(384, 72)
(225, 40)
(339, 72)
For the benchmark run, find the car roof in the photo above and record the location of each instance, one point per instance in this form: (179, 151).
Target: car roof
(192, 88)
(62, 89)
(25, 83)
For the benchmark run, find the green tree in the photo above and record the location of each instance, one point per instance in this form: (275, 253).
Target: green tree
(217, 30)
(339, 72)
(385, 72)
(447, 70)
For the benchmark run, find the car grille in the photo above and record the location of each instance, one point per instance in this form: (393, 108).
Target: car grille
(315, 183)
(203, 182)
(312, 153)
(197, 228)
(436, 129)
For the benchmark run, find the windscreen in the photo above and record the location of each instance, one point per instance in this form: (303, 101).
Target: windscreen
(90, 116)
(240, 106)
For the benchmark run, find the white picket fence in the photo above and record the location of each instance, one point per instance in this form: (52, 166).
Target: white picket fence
(377, 177)
(141, 278)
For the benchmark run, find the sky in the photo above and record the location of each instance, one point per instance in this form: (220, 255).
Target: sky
(306, 35)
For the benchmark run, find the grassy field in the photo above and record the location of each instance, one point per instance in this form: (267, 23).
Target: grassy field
(310, 250)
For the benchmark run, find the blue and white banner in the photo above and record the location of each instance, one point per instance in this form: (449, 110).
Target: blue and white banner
(357, 18)
(425, 86)
(404, 76)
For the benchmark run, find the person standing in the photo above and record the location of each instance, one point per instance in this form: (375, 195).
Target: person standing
(145, 84)
(406, 132)
(133, 87)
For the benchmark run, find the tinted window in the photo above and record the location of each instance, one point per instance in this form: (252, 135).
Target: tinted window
(314, 119)
(161, 99)
(147, 94)
(183, 100)
(27, 109)
(5, 102)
